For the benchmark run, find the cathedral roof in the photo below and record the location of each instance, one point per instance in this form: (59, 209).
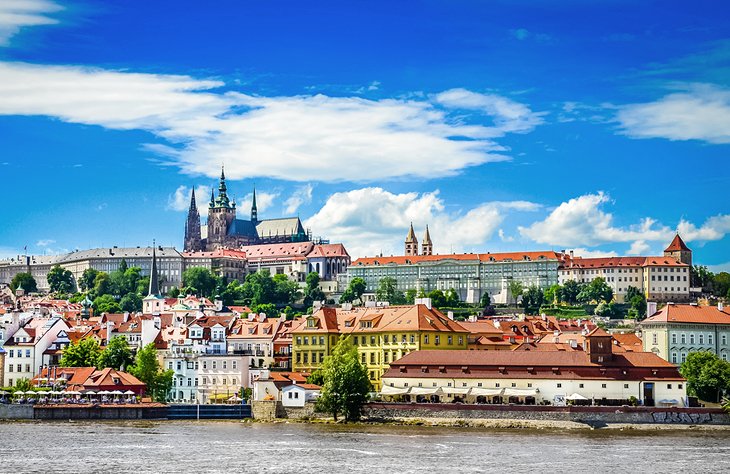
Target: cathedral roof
(283, 226)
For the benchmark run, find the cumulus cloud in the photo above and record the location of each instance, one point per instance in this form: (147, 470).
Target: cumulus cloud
(17, 14)
(45, 242)
(700, 112)
(372, 220)
(180, 199)
(640, 247)
(714, 228)
(586, 253)
(302, 195)
(264, 201)
(304, 138)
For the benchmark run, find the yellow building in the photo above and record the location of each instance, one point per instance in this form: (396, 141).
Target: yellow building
(382, 335)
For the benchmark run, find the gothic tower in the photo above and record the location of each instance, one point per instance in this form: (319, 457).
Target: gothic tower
(427, 245)
(221, 214)
(193, 242)
(411, 243)
(679, 250)
(254, 211)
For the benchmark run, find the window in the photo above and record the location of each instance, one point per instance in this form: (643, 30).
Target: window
(529, 385)
(321, 340)
(679, 386)
(215, 365)
(306, 357)
(654, 339)
(702, 338)
(437, 339)
(684, 339)
(496, 385)
(27, 352)
(461, 340)
(413, 339)
(674, 357)
(684, 356)
(425, 339)
(450, 340)
(10, 367)
(169, 365)
(603, 385)
(709, 339)
(299, 340)
(560, 385)
(205, 380)
(11, 353)
(669, 386)
(692, 339)
(514, 384)
(626, 385)
(306, 341)
(724, 339)
(234, 364)
(674, 338)
(580, 386)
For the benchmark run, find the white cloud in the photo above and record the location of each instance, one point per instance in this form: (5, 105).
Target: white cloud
(640, 247)
(581, 222)
(264, 201)
(372, 220)
(302, 195)
(714, 228)
(45, 242)
(586, 253)
(16, 14)
(700, 112)
(180, 199)
(302, 138)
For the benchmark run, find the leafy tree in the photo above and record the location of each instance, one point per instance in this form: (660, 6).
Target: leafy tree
(258, 288)
(88, 278)
(147, 369)
(346, 384)
(721, 284)
(106, 304)
(174, 292)
(608, 310)
(23, 385)
(269, 309)
(485, 300)
(143, 285)
(312, 291)
(515, 289)
(116, 355)
(102, 285)
(532, 299)
(631, 292)
(438, 299)
(131, 302)
(83, 353)
(285, 290)
(26, 281)
(388, 291)
(355, 290)
(202, 279)
(638, 304)
(316, 377)
(410, 296)
(596, 291)
(552, 295)
(452, 298)
(570, 290)
(700, 277)
(707, 375)
(60, 280)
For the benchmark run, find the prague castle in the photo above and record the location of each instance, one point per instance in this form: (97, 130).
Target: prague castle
(224, 230)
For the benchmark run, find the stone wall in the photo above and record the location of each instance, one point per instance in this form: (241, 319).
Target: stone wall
(125, 412)
(16, 412)
(267, 410)
(589, 415)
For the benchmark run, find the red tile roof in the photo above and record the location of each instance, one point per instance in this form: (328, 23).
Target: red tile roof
(677, 244)
(685, 313)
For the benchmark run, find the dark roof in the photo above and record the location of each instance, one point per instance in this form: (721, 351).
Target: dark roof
(242, 227)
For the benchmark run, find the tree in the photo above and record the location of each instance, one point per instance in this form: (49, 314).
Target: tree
(596, 291)
(532, 300)
(116, 355)
(438, 299)
(638, 304)
(485, 300)
(60, 280)
(258, 288)
(83, 353)
(147, 369)
(552, 295)
(106, 304)
(452, 299)
(269, 309)
(131, 303)
(24, 280)
(285, 290)
(23, 385)
(707, 375)
(700, 277)
(570, 290)
(388, 291)
(102, 285)
(346, 383)
(515, 289)
(88, 278)
(202, 279)
(312, 292)
(174, 292)
(631, 292)
(721, 284)
(354, 291)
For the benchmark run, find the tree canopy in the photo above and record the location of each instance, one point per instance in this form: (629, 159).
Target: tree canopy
(354, 291)
(106, 304)
(597, 291)
(24, 280)
(708, 376)
(532, 299)
(147, 369)
(116, 355)
(346, 383)
(388, 291)
(312, 292)
(83, 353)
(515, 289)
(201, 279)
(60, 280)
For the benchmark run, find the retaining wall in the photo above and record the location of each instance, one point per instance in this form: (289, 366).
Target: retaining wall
(271, 409)
(16, 412)
(590, 415)
(100, 412)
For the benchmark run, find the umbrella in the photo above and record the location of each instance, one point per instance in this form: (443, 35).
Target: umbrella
(3, 392)
(576, 396)
(19, 392)
(129, 392)
(72, 392)
(90, 392)
(116, 392)
(103, 392)
(45, 392)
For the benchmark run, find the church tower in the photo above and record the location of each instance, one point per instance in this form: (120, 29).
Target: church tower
(427, 245)
(411, 243)
(679, 250)
(254, 211)
(193, 242)
(221, 213)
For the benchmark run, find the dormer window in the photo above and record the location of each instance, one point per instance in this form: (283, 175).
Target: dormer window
(366, 324)
(311, 322)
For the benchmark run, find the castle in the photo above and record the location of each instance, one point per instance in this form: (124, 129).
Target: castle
(224, 230)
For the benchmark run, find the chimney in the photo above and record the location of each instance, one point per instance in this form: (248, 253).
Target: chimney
(424, 301)
(109, 329)
(450, 315)
(720, 306)
(573, 343)
(571, 254)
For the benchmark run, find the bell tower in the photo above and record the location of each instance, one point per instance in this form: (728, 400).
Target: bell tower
(221, 213)
(411, 242)
(427, 245)
(193, 241)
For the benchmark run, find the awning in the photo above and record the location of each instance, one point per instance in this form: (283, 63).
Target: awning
(425, 391)
(576, 396)
(455, 390)
(388, 390)
(520, 392)
(486, 392)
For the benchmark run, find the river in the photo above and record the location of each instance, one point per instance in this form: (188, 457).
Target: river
(168, 446)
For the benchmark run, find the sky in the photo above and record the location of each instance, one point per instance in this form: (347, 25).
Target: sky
(601, 126)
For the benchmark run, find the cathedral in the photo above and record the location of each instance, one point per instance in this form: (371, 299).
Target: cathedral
(224, 230)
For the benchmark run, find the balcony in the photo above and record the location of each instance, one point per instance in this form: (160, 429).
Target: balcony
(239, 352)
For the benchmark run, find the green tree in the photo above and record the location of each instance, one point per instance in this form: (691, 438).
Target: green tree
(515, 289)
(269, 309)
(485, 300)
(638, 304)
(131, 303)
(312, 292)
(596, 291)
(102, 285)
(354, 291)
(143, 285)
(721, 284)
(346, 384)
(202, 279)
(452, 298)
(285, 290)
(438, 299)
(23, 385)
(87, 280)
(116, 355)
(106, 304)
(570, 290)
(532, 299)
(708, 376)
(552, 294)
(410, 296)
(631, 292)
(174, 292)
(24, 280)
(700, 277)
(388, 291)
(258, 288)
(316, 377)
(147, 369)
(60, 280)
(83, 353)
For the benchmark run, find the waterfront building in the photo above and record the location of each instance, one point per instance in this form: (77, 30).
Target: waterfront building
(297, 395)
(82, 379)
(255, 334)
(680, 329)
(381, 335)
(268, 385)
(470, 275)
(595, 374)
(25, 348)
(663, 279)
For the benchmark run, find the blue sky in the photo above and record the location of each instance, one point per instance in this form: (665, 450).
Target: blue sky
(503, 125)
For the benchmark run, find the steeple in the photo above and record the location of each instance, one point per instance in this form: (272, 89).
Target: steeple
(222, 191)
(193, 241)
(411, 242)
(427, 245)
(254, 211)
(679, 250)
(154, 278)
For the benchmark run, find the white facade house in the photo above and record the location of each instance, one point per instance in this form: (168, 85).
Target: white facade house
(25, 348)
(297, 395)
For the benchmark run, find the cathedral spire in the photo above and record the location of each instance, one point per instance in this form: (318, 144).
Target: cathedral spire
(222, 191)
(411, 242)
(192, 227)
(254, 211)
(427, 245)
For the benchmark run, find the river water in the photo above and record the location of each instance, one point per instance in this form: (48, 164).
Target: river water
(185, 446)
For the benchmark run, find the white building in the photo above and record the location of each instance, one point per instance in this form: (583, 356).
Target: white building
(25, 348)
(296, 395)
